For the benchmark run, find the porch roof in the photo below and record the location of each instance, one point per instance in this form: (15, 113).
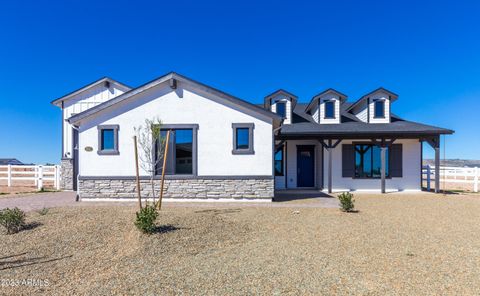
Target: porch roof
(398, 128)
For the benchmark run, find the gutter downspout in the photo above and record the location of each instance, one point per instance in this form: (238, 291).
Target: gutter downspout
(77, 198)
(275, 130)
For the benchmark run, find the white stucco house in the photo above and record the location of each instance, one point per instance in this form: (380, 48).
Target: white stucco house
(225, 147)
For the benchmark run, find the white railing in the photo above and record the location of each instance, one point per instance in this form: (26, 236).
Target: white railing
(452, 175)
(38, 174)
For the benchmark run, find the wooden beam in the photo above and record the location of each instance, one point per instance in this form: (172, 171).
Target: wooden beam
(383, 150)
(329, 143)
(383, 142)
(329, 146)
(336, 143)
(173, 83)
(437, 169)
(329, 170)
(279, 144)
(433, 141)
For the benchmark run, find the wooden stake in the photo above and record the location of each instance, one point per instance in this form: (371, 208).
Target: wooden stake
(137, 172)
(163, 170)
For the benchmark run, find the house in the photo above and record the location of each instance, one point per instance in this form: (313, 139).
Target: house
(225, 147)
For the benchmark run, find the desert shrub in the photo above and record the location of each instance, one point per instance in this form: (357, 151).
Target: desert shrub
(347, 202)
(43, 211)
(12, 219)
(145, 220)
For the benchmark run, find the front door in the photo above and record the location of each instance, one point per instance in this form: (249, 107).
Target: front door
(305, 166)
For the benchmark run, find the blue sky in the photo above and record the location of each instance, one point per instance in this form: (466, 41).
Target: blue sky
(426, 51)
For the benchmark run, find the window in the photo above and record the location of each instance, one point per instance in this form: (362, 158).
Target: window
(329, 109)
(181, 155)
(379, 109)
(368, 163)
(108, 140)
(243, 138)
(281, 109)
(279, 161)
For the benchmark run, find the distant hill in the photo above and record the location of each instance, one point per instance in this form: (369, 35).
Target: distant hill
(454, 162)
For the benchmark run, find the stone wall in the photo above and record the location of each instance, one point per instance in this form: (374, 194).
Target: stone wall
(66, 174)
(199, 187)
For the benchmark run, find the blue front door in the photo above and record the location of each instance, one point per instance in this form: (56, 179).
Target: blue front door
(305, 166)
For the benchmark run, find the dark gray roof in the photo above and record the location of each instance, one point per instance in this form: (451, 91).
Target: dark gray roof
(355, 129)
(11, 161)
(167, 77)
(303, 125)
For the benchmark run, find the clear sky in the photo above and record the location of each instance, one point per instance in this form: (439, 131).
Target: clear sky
(428, 52)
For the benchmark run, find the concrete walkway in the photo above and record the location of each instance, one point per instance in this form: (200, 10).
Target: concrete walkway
(37, 201)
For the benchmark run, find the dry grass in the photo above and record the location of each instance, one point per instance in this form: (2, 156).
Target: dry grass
(396, 244)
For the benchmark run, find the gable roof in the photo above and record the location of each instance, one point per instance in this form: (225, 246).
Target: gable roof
(280, 91)
(57, 102)
(315, 98)
(170, 77)
(380, 89)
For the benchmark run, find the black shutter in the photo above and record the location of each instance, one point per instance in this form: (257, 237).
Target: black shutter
(396, 160)
(348, 161)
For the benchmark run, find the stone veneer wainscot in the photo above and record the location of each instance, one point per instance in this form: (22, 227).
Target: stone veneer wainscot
(249, 187)
(66, 174)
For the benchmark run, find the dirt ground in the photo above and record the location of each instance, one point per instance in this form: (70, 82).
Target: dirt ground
(397, 244)
(26, 188)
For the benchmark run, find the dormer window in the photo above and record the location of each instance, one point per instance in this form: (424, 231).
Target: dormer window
(379, 109)
(282, 109)
(329, 109)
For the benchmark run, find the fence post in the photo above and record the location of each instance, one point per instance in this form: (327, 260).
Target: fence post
(428, 177)
(40, 177)
(35, 175)
(475, 180)
(57, 177)
(9, 175)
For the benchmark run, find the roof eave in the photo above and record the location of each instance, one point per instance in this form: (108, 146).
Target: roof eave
(57, 102)
(363, 135)
(172, 75)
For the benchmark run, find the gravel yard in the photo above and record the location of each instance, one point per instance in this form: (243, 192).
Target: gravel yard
(397, 244)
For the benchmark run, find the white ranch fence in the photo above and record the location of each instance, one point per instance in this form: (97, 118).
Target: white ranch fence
(463, 175)
(24, 175)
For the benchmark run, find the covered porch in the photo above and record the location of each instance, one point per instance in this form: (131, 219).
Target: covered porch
(373, 162)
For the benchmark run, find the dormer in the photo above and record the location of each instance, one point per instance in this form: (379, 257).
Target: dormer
(374, 107)
(325, 107)
(281, 102)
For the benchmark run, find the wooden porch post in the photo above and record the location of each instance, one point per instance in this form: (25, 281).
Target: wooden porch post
(329, 147)
(330, 167)
(383, 166)
(437, 168)
(434, 141)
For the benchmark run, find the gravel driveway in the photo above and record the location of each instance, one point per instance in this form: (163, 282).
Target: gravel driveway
(397, 244)
(37, 201)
